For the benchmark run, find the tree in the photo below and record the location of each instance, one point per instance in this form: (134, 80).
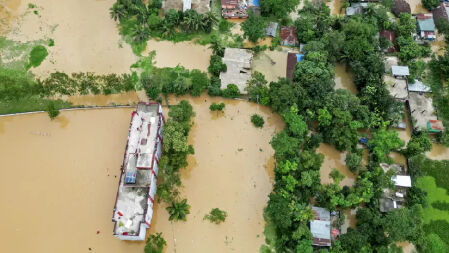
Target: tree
(336, 176)
(432, 243)
(418, 144)
(278, 8)
(284, 146)
(231, 91)
(200, 82)
(278, 209)
(283, 94)
(192, 21)
(408, 48)
(216, 65)
(353, 161)
(295, 122)
(178, 210)
(430, 4)
(257, 120)
(406, 25)
(181, 112)
(257, 89)
(253, 27)
(383, 142)
(216, 216)
(208, 21)
(53, 112)
(416, 196)
(155, 243)
(217, 107)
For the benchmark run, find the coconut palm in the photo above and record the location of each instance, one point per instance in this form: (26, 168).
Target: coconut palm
(208, 21)
(117, 11)
(178, 210)
(192, 21)
(139, 33)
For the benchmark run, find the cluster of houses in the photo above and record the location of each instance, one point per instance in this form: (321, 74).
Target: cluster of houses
(394, 198)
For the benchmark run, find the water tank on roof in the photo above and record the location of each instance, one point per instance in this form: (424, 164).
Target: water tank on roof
(130, 177)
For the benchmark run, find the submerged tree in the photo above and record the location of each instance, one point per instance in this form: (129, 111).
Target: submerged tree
(216, 216)
(178, 210)
(155, 243)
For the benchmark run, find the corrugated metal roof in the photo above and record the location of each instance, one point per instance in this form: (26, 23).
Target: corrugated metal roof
(271, 29)
(426, 25)
(400, 70)
(403, 181)
(418, 86)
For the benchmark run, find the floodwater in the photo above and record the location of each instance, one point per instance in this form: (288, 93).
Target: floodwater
(344, 79)
(334, 159)
(8, 13)
(127, 98)
(228, 171)
(186, 54)
(335, 6)
(350, 220)
(273, 64)
(405, 134)
(85, 36)
(438, 152)
(416, 6)
(59, 181)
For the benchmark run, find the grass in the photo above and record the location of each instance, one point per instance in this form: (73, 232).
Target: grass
(270, 236)
(436, 169)
(37, 56)
(30, 104)
(435, 194)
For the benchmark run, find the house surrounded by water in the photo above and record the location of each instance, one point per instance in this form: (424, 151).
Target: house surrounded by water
(133, 208)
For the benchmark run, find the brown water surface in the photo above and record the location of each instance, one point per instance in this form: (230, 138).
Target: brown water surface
(228, 171)
(127, 98)
(59, 181)
(335, 6)
(344, 79)
(438, 152)
(273, 64)
(417, 7)
(8, 13)
(334, 159)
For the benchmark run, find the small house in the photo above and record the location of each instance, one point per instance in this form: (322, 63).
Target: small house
(441, 12)
(402, 181)
(200, 6)
(320, 227)
(435, 126)
(418, 86)
(292, 60)
(239, 8)
(289, 36)
(356, 8)
(401, 6)
(400, 71)
(238, 64)
(271, 29)
(390, 36)
(425, 26)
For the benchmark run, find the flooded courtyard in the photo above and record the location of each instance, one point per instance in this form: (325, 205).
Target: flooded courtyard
(334, 159)
(230, 170)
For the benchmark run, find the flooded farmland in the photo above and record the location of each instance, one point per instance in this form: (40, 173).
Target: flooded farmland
(60, 179)
(68, 168)
(230, 171)
(334, 159)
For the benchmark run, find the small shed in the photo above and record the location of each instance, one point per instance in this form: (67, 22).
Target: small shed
(401, 6)
(387, 204)
(402, 181)
(292, 59)
(271, 29)
(289, 36)
(435, 126)
(356, 8)
(320, 227)
(390, 36)
(418, 86)
(426, 26)
(400, 71)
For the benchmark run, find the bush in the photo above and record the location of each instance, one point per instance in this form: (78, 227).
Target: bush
(224, 26)
(353, 161)
(216, 216)
(257, 120)
(200, 82)
(37, 55)
(430, 4)
(178, 210)
(52, 111)
(231, 91)
(155, 243)
(216, 65)
(214, 87)
(253, 28)
(217, 107)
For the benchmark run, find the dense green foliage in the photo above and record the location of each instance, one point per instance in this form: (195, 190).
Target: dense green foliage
(217, 107)
(418, 144)
(51, 110)
(253, 28)
(278, 8)
(37, 56)
(231, 91)
(430, 4)
(257, 120)
(178, 210)
(155, 243)
(216, 65)
(257, 89)
(216, 216)
(176, 150)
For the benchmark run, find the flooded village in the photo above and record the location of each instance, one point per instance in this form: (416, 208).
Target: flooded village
(72, 175)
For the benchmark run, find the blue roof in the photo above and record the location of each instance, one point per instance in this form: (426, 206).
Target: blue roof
(256, 2)
(299, 57)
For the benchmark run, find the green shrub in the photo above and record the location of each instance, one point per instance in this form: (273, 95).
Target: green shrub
(178, 210)
(214, 87)
(354, 162)
(216, 216)
(440, 228)
(224, 26)
(52, 111)
(257, 120)
(231, 91)
(37, 55)
(155, 243)
(441, 205)
(217, 107)
(216, 65)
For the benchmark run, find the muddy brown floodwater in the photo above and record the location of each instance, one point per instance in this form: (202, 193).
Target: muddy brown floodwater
(438, 152)
(59, 181)
(85, 36)
(417, 7)
(230, 170)
(344, 79)
(334, 159)
(272, 64)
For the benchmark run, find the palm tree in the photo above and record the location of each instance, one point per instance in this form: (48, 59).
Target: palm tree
(178, 210)
(139, 33)
(216, 45)
(117, 11)
(208, 21)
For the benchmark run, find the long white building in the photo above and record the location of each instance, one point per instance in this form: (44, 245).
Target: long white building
(133, 208)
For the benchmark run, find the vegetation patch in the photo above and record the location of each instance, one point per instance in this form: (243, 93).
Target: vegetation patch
(155, 243)
(257, 120)
(37, 56)
(216, 216)
(441, 205)
(217, 107)
(178, 210)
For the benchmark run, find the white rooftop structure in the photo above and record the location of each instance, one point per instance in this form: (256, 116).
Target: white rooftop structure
(320, 226)
(137, 187)
(421, 109)
(238, 63)
(400, 70)
(402, 181)
(418, 86)
(396, 87)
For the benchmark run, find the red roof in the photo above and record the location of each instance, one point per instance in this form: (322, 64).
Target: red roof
(424, 16)
(289, 36)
